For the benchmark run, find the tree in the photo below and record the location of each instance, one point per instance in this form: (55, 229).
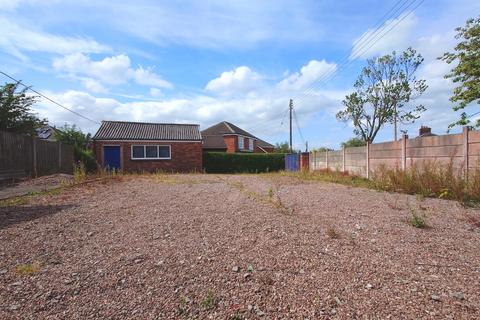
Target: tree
(467, 70)
(282, 147)
(321, 149)
(15, 110)
(354, 142)
(71, 135)
(383, 93)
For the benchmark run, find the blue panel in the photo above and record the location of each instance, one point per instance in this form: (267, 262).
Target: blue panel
(292, 162)
(111, 157)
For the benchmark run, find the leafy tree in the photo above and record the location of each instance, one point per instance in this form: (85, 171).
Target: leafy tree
(383, 93)
(321, 149)
(282, 147)
(467, 71)
(354, 142)
(71, 135)
(15, 110)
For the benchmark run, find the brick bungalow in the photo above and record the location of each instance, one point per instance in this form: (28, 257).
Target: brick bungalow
(227, 137)
(135, 146)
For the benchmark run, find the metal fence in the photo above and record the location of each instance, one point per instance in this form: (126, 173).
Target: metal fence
(22, 156)
(292, 162)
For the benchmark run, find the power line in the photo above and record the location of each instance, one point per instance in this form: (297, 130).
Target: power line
(347, 60)
(298, 126)
(49, 99)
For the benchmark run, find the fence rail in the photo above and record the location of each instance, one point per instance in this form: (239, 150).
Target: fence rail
(22, 156)
(462, 150)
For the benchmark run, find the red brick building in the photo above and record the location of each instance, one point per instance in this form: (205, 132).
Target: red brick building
(135, 146)
(227, 137)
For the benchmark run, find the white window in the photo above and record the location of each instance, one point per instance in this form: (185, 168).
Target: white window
(240, 143)
(250, 144)
(150, 152)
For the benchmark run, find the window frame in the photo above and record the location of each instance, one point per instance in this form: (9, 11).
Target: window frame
(250, 144)
(145, 151)
(242, 146)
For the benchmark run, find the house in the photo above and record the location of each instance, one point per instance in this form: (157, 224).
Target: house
(138, 146)
(227, 137)
(46, 133)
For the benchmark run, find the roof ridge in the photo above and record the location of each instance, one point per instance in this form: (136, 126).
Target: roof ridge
(228, 126)
(162, 123)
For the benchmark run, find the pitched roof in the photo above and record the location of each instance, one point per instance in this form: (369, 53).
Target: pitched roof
(225, 127)
(213, 136)
(122, 130)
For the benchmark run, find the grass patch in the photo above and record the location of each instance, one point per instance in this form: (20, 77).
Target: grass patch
(27, 269)
(417, 220)
(209, 301)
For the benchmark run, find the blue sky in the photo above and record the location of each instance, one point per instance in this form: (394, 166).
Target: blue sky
(208, 61)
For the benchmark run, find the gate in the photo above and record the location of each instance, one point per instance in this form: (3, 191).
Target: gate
(292, 162)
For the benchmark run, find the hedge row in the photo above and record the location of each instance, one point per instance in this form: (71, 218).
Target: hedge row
(221, 162)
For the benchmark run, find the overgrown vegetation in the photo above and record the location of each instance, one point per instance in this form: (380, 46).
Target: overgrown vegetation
(431, 179)
(417, 220)
(82, 154)
(221, 162)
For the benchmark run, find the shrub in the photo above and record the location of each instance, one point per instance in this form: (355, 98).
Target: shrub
(86, 157)
(220, 162)
(417, 220)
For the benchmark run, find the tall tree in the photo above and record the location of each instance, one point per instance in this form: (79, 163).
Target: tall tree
(72, 135)
(383, 94)
(354, 142)
(15, 110)
(467, 71)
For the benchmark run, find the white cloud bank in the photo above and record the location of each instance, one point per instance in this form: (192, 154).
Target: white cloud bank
(114, 70)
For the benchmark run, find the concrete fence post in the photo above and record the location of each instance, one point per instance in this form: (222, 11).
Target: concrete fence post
(404, 152)
(367, 147)
(326, 159)
(465, 151)
(343, 159)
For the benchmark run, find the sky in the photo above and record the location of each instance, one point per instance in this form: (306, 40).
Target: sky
(206, 61)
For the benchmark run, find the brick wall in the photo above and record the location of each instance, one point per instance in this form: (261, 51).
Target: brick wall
(232, 143)
(185, 156)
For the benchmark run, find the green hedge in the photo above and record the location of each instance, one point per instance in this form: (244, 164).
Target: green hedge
(221, 162)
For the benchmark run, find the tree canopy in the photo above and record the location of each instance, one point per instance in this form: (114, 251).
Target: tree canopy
(383, 94)
(354, 142)
(467, 70)
(15, 110)
(72, 135)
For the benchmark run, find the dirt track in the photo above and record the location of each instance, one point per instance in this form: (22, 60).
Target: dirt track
(168, 247)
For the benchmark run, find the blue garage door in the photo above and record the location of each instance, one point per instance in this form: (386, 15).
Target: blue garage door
(292, 162)
(111, 157)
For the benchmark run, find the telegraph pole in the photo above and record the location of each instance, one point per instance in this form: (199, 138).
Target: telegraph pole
(290, 107)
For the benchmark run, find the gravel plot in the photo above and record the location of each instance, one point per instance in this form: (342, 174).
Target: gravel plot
(235, 247)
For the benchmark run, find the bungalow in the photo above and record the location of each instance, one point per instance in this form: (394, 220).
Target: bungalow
(135, 146)
(227, 137)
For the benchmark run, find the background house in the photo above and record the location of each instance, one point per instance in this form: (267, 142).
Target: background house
(135, 146)
(227, 137)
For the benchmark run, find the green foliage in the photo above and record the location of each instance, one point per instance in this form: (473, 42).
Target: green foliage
(383, 93)
(73, 136)
(15, 110)
(354, 142)
(220, 162)
(417, 220)
(210, 301)
(467, 70)
(282, 147)
(321, 149)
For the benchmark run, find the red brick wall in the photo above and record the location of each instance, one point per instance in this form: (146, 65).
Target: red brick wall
(185, 156)
(232, 143)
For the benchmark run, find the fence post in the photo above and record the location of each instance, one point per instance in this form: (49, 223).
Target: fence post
(404, 151)
(326, 159)
(367, 146)
(343, 159)
(465, 151)
(59, 156)
(34, 156)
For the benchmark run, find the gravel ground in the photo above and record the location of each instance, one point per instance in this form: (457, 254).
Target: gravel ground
(235, 247)
(34, 185)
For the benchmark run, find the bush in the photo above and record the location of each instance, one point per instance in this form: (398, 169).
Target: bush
(220, 162)
(86, 157)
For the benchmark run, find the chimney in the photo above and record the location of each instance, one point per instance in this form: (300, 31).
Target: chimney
(424, 131)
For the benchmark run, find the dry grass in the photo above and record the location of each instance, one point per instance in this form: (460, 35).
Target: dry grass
(27, 269)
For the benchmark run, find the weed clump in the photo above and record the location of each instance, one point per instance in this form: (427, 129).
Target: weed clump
(417, 220)
(27, 269)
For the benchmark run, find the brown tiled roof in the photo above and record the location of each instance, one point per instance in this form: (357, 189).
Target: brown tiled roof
(121, 130)
(213, 136)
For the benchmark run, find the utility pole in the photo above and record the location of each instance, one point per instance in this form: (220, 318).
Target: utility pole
(290, 107)
(306, 146)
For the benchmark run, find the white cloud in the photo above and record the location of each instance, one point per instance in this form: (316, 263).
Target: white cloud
(114, 70)
(309, 73)
(239, 80)
(16, 39)
(394, 34)
(155, 92)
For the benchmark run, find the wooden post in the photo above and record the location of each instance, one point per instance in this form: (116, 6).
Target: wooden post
(34, 156)
(59, 156)
(404, 152)
(343, 168)
(465, 151)
(368, 159)
(326, 159)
